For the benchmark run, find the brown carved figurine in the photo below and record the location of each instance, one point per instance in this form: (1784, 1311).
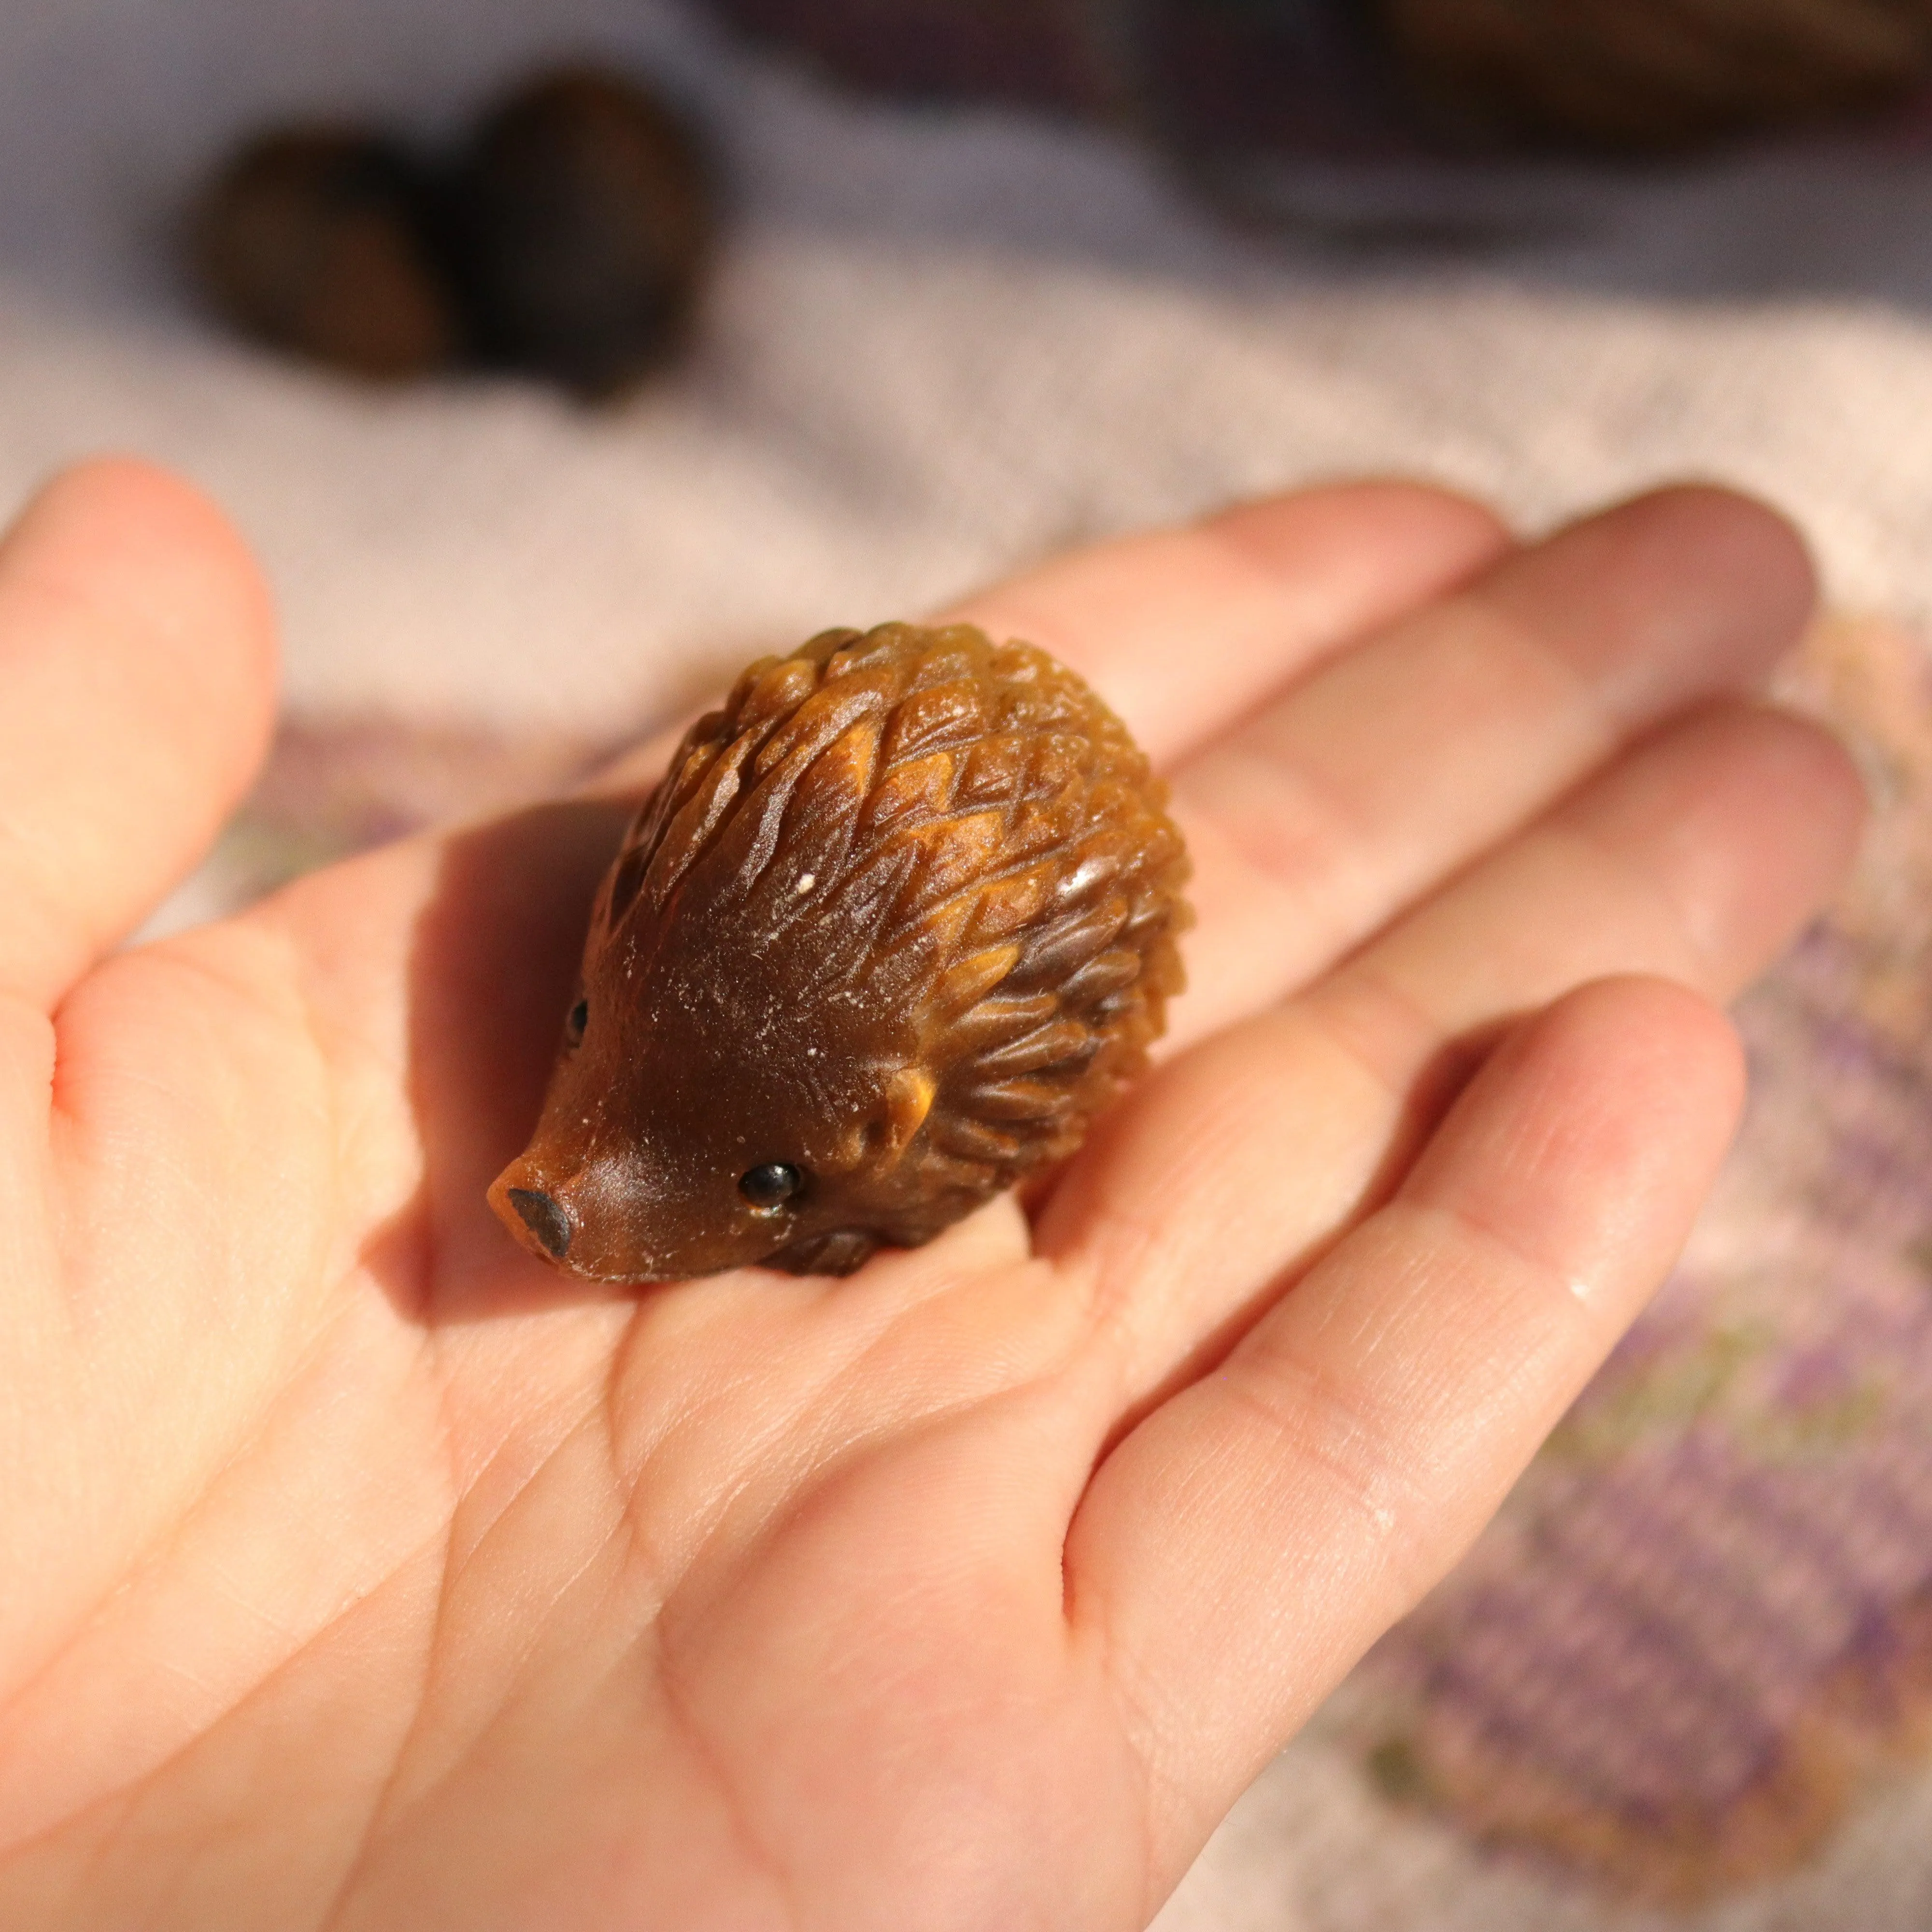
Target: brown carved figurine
(900, 919)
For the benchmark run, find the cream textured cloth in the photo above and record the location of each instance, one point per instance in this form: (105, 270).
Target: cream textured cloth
(941, 345)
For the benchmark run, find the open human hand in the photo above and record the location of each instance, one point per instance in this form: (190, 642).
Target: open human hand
(361, 1573)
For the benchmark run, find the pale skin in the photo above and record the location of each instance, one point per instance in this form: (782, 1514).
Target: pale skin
(360, 1572)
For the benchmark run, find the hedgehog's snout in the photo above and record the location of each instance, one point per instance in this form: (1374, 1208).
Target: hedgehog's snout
(591, 1215)
(543, 1208)
(546, 1219)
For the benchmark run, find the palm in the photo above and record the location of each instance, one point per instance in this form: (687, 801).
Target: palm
(374, 1574)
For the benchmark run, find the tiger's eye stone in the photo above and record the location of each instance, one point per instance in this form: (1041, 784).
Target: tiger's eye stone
(899, 920)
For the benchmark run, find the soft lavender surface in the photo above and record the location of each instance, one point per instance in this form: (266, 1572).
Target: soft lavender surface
(1707, 1614)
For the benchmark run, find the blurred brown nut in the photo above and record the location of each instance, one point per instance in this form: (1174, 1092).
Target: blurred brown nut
(1655, 76)
(581, 222)
(312, 240)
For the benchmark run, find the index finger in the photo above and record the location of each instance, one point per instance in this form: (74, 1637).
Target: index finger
(1184, 631)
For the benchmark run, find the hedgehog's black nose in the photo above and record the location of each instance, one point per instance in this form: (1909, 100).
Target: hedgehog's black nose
(545, 1218)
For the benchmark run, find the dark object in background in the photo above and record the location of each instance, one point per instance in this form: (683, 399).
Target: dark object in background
(1654, 76)
(580, 224)
(314, 240)
(568, 240)
(900, 920)
(1217, 78)
(1042, 52)
(1339, 76)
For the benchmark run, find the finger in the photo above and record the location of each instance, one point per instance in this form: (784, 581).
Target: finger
(1248, 1541)
(1394, 765)
(1182, 631)
(135, 655)
(1196, 1201)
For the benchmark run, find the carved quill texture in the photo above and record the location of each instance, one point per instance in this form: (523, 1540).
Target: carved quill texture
(900, 919)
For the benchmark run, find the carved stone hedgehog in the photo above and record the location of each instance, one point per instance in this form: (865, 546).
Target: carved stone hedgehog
(898, 920)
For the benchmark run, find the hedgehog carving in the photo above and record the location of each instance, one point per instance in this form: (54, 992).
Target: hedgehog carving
(899, 919)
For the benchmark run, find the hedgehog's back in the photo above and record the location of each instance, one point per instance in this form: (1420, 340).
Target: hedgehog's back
(956, 844)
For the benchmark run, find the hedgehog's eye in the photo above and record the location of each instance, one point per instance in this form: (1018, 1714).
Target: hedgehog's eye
(771, 1185)
(573, 1028)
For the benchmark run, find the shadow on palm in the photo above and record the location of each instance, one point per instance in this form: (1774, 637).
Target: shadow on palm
(490, 970)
